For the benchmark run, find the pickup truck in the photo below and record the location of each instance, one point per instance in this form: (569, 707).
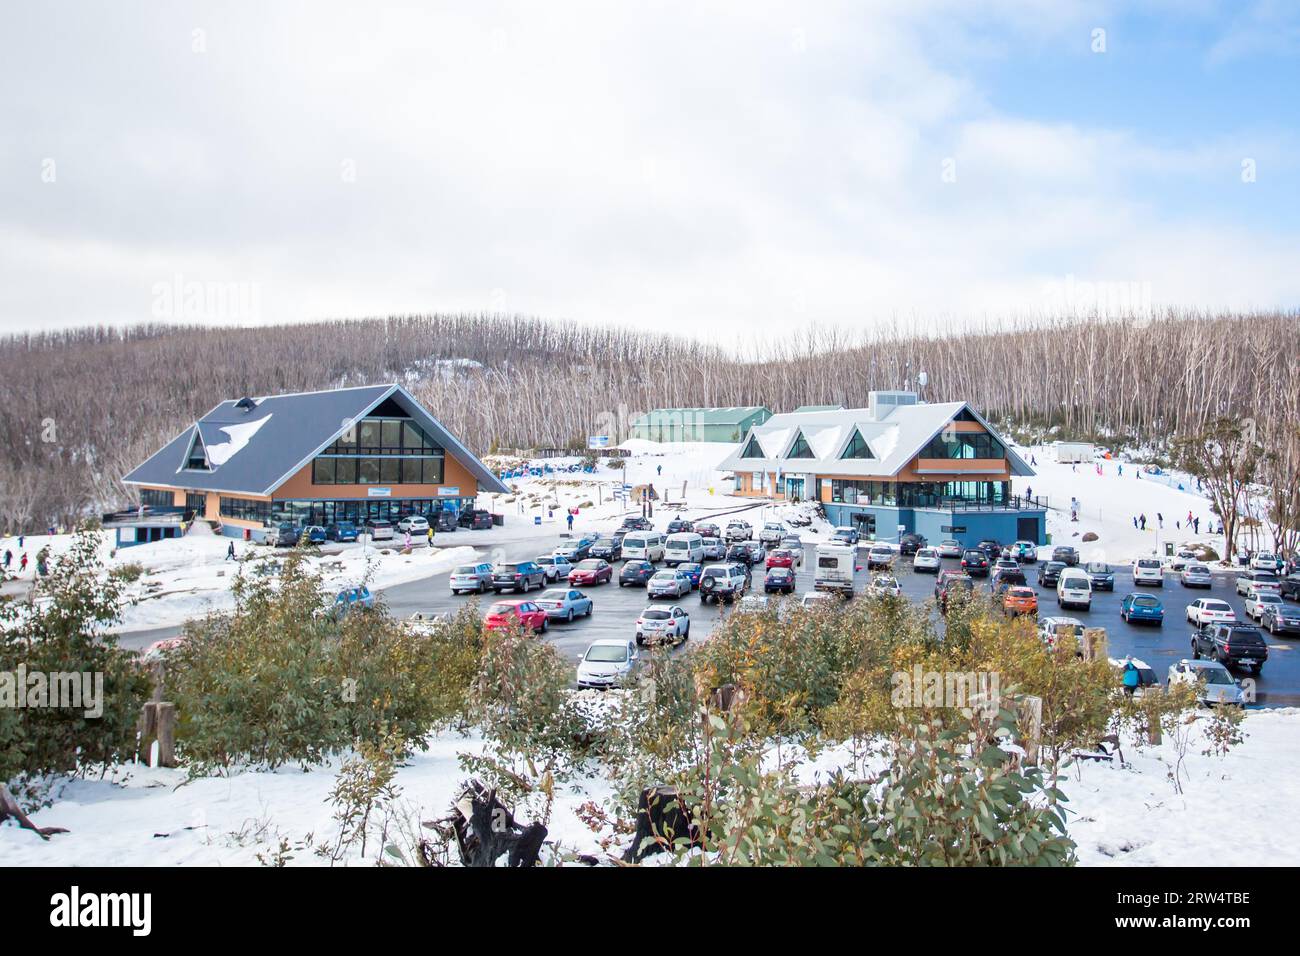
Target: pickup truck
(1233, 645)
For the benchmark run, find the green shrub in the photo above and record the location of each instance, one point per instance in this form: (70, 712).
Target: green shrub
(281, 679)
(64, 631)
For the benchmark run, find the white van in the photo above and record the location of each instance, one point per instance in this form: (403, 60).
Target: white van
(644, 546)
(1148, 571)
(836, 564)
(1074, 589)
(681, 548)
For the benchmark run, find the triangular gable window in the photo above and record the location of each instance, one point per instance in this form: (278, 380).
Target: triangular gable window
(800, 448)
(197, 459)
(858, 447)
(965, 416)
(753, 449)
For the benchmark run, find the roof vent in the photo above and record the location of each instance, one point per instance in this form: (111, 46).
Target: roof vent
(881, 404)
(246, 403)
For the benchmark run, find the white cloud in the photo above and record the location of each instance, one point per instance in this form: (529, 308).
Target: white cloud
(710, 169)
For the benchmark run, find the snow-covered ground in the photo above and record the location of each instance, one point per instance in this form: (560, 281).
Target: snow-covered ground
(1234, 810)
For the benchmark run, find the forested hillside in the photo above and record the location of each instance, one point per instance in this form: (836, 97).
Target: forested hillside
(84, 406)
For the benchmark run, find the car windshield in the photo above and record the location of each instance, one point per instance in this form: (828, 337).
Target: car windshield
(501, 609)
(1217, 606)
(1055, 565)
(1148, 563)
(1097, 568)
(554, 595)
(465, 569)
(1215, 675)
(1263, 576)
(1022, 592)
(590, 565)
(666, 576)
(1146, 602)
(779, 573)
(507, 568)
(1268, 597)
(607, 653)
(1197, 569)
(654, 615)
(636, 565)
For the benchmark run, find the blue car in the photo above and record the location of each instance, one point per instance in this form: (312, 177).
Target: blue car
(315, 534)
(692, 571)
(342, 531)
(353, 598)
(1142, 608)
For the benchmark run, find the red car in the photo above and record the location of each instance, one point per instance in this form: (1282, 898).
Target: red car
(527, 614)
(781, 558)
(591, 571)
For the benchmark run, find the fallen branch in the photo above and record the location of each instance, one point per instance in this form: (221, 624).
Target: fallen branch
(9, 808)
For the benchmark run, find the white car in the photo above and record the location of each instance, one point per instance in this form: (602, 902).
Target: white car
(564, 604)
(814, 598)
(414, 524)
(737, 531)
(469, 578)
(663, 624)
(1182, 559)
(884, 585)
(607, 663)
(756, 603)
(556, 567)
(1148, 572)
(1196, 576)
(926, 559)
(880, 556)
(1257, 579)
(1074, 588)
(772, 533)
(1210, 611)
(1264, 561)
(668, 584)
(1257, 599)
(1049, 628)
(1215, 682)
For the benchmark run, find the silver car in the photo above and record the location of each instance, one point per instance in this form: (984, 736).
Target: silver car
(714, 549)
(663, 624)
(1196, 576)
(564, 604)
(470, 578)
(669, 584)
(1216, 684)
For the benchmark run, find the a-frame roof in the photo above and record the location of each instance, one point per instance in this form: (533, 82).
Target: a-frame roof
(255, 450)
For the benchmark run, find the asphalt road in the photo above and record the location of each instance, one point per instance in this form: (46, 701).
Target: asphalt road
(617, 608)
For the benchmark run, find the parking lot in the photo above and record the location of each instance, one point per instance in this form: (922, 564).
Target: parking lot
(616, 610)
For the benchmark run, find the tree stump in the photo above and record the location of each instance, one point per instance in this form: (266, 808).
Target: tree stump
(660, 822)
(486, 829)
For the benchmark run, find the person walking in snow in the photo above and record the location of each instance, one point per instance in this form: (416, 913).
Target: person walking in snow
(9, 559)
(1121, 470)
(430, 535)
(1130, 678)
(1135, 521)
(230, 552)
(1196, 523)
(1189, 516)
(1160, 519)
(659, 470)
(569, 518)
(22, 565)
(1142, 522)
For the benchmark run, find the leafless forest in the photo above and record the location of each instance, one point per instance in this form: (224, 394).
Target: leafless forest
(84, 406)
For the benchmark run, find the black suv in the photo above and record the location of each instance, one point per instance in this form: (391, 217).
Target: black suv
(1290, 587)
(1233, 645)
(476, 519)
(990, 547)
(975, 563)
(610, 549)
(1066, 555)
(749, 552)
(1101, 576)
(679, 525)
(520, 577)
(1050, 573)
(638, 523)
(911, 543)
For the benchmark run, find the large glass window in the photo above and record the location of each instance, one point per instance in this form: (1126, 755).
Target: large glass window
(800, 448)
(152, 498)
(949, 444)
(381, 451)
(753, 449)
(857, 447)
(246, 510)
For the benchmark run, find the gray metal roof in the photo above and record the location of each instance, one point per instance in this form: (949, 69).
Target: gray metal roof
(733, 415)
(254, 451)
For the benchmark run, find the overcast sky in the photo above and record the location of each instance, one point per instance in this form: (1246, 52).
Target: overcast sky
(714, 169)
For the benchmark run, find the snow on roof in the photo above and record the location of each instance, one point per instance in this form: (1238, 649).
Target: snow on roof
(894, 440)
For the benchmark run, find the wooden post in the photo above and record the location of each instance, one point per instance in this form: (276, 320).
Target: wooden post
(1029, 725)
(166, 734)
(1094, 643)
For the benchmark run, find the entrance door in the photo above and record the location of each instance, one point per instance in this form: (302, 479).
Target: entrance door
(794, 488)
(1027, 529)
(865, 523)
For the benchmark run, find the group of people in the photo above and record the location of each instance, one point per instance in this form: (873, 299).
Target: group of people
(1193, 523)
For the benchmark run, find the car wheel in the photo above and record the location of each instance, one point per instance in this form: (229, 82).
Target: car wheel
(1196, 654)
(568, 618)
(546, 623)
(482, 587)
